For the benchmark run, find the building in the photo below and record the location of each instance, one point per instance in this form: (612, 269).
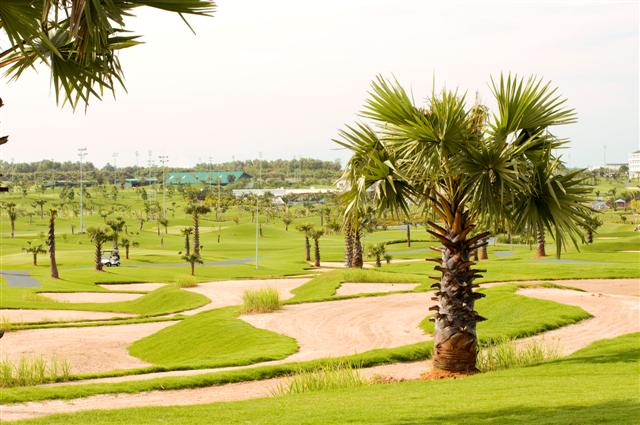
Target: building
(206, 177)
(634, 165)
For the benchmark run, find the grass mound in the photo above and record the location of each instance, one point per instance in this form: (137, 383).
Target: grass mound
(263, 300)
(32, 371)
(327, 377)
(186, 281)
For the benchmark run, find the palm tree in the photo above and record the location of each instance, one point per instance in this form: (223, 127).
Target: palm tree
(287, 220)
(316, 235)
(591, 225)
(51, 242)
(79, 41)
(165, 223)
(446, 158)
(12, 212)
(196, 210)
(40, 203)
(34, 250)
(377, 251)
(116, 225)
(187, 232)
(192, 259)
(127, 244)
(348, 243)
(306, 230)
(99, 236)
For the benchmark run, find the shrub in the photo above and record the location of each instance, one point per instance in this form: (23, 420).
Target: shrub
(506, 354)
(186, 281)
(264, 300)
(327, 377)
(33, 371)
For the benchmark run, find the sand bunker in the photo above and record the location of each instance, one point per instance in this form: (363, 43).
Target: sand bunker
(89, 297)
(337, 328)
(88, 349)
(628, 287)
(613, 315)
(31, 316)
(140, 287)
(229, 292)
(367, 288)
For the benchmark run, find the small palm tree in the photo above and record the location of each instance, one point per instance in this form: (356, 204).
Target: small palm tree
(377, 251)
(196, 209)
(34, 250)
(316, 235)
(127, 244)
(51, 243)
(116, 225)
(187, 232)
(12, 212)
(388, 258)
(287, 220)
(591, 225)
(40, 203)
(99, 236)
(192, 259)
(306, 230)
(165, 223)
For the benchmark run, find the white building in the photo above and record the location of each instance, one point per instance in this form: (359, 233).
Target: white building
(634, 165)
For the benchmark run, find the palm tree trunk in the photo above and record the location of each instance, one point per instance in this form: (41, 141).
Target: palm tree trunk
(348, 244)
(307, 249)
(316, 243)
(378, 262)
(484, 255)
(35, 259)
(126, 252)
(357, 250)
(51, 241)
(455, 339)
(408, 234)
(540, 251)
(98, 257)
(589, 236)
(187, 245)
(475, 255)
(193, 269)
(13, 227)
(196, 234)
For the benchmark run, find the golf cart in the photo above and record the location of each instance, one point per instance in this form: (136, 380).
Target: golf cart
(110, 258)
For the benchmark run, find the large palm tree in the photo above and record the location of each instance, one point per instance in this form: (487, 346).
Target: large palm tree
(78, 40)
(51, 243)
(467, 170)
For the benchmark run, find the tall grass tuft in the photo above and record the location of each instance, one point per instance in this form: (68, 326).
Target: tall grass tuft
(327, 377)
(264, 300)
(33, 371)
(506, 354)
(186, 281)
(5, 324)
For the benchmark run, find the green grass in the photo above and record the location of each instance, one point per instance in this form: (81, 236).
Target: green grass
(264, 300)
(594, 386)
(505, 354)
(32, 371)
(329, 377)
(511, 316)
(215, 338)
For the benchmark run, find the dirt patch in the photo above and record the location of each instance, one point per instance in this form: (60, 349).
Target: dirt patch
(226, 293)
(89, 297)
(31, 316)
(366, 288)
(140, 287)
(88, 349)
(437, 374)
(338, 328)
(613, 316)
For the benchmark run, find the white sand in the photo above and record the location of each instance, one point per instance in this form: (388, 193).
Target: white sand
(89, 297)
(368, 288)
(140, 287)
(30, 316)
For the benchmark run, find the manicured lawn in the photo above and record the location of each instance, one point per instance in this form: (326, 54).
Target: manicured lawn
(596, 385)
(214, 338)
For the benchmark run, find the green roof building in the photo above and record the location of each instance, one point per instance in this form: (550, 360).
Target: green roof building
(206, 177)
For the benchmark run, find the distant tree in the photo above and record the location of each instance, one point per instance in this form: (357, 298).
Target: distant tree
(196, 209)
(591, 226)
(287, 220)
(127, 244)
(306, 229)
(377, 251)
(316, 235)
(116, 225)
(192, 259)
(165, 223)
(388, 258)
(12, 212)
(187, 232)
(51, 242)
(34, 250)
(98, 236)
(40, 203)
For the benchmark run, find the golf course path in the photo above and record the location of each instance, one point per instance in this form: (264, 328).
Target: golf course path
(615, 310)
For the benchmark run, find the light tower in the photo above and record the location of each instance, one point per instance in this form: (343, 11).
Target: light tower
(82, 152)
(115, 169)
(258, 205)
(163, 160)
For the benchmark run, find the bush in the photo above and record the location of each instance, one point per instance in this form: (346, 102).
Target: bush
(263, 300)
(506, 354)
(186, 281)
(331, 376)
(32, 371)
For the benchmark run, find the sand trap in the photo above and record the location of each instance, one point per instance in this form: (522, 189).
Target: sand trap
(629, 287)
(89, 297)
(229, 292)
(140, 287)
(30, 316)
(633, 251)
(340, 265)
(89, 349)
(367, 288)
(337, 328)
(613, 315)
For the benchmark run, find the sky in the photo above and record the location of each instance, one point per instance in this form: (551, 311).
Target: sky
(280, 78)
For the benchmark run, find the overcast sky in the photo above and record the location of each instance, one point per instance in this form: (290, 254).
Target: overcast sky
(281, 77)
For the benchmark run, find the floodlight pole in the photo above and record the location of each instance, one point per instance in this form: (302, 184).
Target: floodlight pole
(258, 207)
(163, 160)
(82, 152)
(115, 169)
